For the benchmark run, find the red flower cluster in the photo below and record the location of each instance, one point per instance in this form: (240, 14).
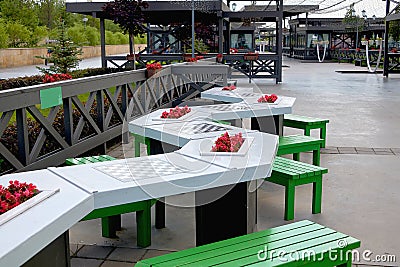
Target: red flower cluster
(15, 194)
(229, 88)
(268, 99)
(153, 66)
(233, 50)
(227, 143)
(192, 59)
(199, 57)
(50, 78)
(358, 49)
(219, 56)
(175, 113)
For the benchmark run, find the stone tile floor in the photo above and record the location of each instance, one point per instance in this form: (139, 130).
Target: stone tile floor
(360, 194)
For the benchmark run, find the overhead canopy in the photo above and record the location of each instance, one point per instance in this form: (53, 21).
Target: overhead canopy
(158, 12)
(288, 10)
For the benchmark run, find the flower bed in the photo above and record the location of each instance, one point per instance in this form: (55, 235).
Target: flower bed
(15, 194)
(268, 99)
(175, 113)
(50, 78)
(229, 88)
(227, 143)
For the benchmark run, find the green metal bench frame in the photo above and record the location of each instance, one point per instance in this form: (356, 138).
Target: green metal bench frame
(307, 124)
(271, 247)
(295, 144)
(111, 216)
(290, 174)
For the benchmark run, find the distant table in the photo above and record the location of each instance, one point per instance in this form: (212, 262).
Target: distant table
(264, 117)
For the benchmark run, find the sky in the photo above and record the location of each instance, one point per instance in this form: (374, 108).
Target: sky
(332, 8)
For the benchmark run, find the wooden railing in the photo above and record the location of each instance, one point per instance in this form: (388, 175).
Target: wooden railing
(92, 112)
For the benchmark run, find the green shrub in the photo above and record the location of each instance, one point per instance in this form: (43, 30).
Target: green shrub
(121, 38)
(19, 35)
(76, 34)
(3, 35)
(92, 35)
(110, 38)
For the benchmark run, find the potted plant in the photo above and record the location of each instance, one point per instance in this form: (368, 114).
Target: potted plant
(250, 56)
(220, 57)
(191, 60)
(152, 68)
(364, 41)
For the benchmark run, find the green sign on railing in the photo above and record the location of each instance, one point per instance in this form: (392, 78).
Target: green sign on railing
(50, 97)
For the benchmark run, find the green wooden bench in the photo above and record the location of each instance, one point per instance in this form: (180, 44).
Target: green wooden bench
(141, 140)
(290, 174)
(295, 144)
(307, 124)
(303, 243)
(111, 216)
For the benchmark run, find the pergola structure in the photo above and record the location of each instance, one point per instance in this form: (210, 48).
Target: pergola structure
(391, 15)
(165, 19)
(298, 42)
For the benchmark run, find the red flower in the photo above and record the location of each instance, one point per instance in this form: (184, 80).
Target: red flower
(227, 143)
(153, 66)
(229, 88)
(268, 99)
(175, 113)
(15, 194)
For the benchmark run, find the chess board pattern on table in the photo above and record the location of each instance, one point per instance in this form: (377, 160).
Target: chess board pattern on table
(229, 107)
(136, 170)
(248, 94)
(202, 128)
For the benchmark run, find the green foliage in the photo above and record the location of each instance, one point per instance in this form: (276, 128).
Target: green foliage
(19, 11)
(82, 35)
(37, 35)
(49, 12)
(394, 29)
(199, 45)
(65, 54)
(121, 38)
(18, 34)
(110, 40)
(111, 26)
(3, 35)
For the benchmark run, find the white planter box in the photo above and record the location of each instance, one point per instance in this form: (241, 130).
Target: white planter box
(184, 117)
(205, 148)
(275, 103)
(11, 214)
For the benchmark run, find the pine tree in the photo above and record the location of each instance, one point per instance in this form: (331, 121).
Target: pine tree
(64, 54)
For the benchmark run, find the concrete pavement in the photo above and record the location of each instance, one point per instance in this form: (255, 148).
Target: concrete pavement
(360, 192)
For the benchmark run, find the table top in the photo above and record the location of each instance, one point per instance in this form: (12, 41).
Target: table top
(180, 133)
(26, 234)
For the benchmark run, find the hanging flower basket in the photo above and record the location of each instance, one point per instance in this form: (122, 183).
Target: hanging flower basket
(152, 69)
(220, 57)
(364, 42)
(250, 56)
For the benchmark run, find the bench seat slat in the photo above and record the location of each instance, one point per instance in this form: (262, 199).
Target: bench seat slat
(304, 119)
(246, 256)
(234, 250)
(276, 230)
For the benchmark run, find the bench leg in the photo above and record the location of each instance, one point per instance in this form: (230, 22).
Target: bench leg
(137, 148)
(296, 156)
(322, 135)
(147, 143)
(347, 264)
(109, 226)
(316, 157)
(143, 226)
(317, 196)
(307, 131)
(289, 201)
(160, 214)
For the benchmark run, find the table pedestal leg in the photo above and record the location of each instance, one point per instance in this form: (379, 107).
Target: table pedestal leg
(229, 216)
(55, 254)
(157, 147)
(270, 124)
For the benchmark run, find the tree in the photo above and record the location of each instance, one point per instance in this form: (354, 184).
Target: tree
(64, 54)
(49, 11)
(394, 29)
(128, 14)
(3, 35)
